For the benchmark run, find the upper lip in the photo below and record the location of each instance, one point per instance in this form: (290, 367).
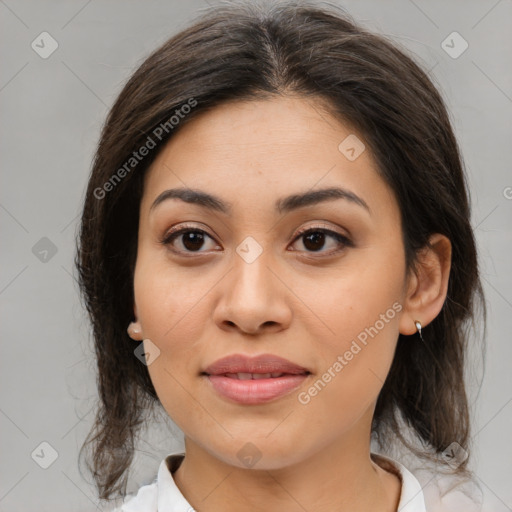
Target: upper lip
(264, 363)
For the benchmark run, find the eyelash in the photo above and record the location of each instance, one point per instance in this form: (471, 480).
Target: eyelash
(341, 239)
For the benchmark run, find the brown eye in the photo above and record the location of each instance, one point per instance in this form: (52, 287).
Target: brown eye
(189, 240)
(314, 240)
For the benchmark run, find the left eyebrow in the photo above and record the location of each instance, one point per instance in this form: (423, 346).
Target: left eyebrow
(296, 201)
(282, 205)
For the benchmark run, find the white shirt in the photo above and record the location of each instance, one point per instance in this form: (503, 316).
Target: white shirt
(163, 494)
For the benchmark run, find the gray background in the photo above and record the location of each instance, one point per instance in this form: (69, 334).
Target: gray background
(52, 111)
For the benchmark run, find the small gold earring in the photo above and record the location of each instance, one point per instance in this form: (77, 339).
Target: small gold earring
(417, 323)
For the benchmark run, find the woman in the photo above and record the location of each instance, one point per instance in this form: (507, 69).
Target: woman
(275, 248)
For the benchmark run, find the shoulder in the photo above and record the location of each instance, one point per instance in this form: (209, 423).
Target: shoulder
(445, 492)
(145, 500)
(429, 487)
(162, 492)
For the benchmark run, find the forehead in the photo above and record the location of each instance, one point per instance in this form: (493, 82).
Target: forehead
(262, 150)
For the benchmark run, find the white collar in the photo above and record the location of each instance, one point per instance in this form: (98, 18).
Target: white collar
(411, 496)
(163, 495)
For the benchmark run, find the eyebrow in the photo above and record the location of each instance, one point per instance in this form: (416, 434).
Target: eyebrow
(282, 205)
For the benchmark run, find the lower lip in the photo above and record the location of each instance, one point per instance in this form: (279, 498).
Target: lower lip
(255, 391)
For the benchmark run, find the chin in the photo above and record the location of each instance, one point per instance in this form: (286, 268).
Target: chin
(265, 453)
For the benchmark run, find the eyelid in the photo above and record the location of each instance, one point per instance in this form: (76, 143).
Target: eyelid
(183, 227)
(322, 227)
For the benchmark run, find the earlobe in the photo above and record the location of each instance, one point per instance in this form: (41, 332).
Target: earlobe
(135, 331)
(134, 328)
(427, 285)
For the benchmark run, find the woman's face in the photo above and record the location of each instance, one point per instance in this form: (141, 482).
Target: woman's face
(244, 281)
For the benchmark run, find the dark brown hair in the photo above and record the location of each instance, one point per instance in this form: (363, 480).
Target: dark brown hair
(252, 52)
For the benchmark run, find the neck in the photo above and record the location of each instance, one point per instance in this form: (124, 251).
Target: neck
(341, 476)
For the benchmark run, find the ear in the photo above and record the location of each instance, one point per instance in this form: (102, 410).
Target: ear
(427, 284)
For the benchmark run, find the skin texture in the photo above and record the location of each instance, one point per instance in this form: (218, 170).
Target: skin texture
(302, 304)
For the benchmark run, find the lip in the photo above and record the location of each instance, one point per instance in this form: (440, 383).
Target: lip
(254, 391)
(264, 363)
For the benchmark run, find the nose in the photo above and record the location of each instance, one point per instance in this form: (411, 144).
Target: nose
(253, 298)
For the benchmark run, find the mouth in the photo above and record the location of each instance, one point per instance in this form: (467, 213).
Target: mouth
(264, 366)
(254, 388)
(252, 380)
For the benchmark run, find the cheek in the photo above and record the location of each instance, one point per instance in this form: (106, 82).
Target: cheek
(364, 294)
(169, 299)
(173, 311)
(355, 364)
(361, 309)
